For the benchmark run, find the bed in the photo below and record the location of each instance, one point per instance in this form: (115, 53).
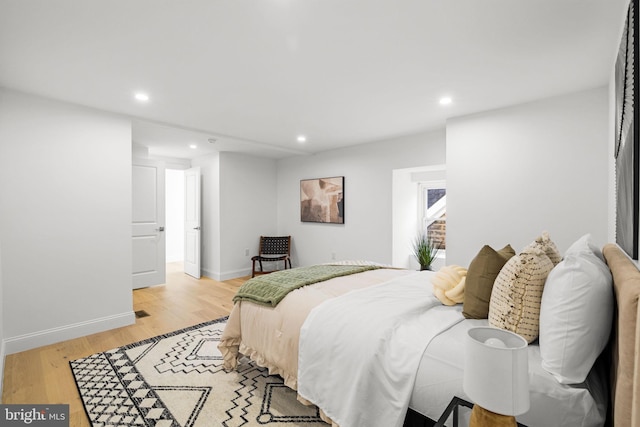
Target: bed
(283, 339)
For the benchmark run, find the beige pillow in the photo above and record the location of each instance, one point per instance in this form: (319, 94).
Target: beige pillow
(517, 292)
(550, 249)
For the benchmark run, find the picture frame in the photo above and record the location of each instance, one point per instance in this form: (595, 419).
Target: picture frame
(627, 134)
(322, 200)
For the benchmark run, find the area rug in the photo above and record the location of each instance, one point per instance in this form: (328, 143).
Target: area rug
(177, 380)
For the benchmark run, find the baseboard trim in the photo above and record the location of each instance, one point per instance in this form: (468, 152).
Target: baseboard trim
(227, 275)
(210, 274)
(63, 333)
(235, 273)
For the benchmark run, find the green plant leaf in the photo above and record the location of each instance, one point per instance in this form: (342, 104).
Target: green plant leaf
(425, 249)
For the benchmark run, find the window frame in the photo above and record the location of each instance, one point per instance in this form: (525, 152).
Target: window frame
(423, 187)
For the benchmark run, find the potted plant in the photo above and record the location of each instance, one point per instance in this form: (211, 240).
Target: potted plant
(425, 249)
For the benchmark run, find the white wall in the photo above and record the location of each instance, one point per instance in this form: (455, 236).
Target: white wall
(611, 202)
(239, 200)
(65, 220)
(368, 171)
(248, 209)
(514, 172)
(404, 217)
(174, 215)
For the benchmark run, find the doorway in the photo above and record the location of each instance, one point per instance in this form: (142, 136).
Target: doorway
(174, 209)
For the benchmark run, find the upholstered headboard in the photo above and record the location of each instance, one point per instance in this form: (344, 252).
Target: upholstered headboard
(625, 380)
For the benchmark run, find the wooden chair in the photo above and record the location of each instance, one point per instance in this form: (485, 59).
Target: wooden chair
(272, 249)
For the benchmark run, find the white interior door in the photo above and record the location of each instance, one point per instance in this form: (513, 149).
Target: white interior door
(192, 225)
(148, 223)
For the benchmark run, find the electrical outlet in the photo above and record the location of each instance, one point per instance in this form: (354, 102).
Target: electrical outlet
(246, 252)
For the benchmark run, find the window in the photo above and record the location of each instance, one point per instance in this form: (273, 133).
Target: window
(433, 210)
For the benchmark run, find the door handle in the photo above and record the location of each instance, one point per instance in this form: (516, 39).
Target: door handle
(160, 229)
(196, 228)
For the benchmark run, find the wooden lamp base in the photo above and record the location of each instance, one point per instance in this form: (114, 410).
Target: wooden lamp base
(481, 417)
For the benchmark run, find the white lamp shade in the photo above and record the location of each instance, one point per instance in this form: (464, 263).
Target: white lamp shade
(496, 370)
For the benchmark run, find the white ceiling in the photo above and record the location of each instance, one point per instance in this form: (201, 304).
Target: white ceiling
(255, 74)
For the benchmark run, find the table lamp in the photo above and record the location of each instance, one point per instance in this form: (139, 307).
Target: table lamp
(496, 376)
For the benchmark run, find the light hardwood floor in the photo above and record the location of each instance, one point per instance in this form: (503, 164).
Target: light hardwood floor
(43, 375)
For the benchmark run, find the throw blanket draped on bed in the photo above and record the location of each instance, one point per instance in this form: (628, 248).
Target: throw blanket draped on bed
(361, 372)
(270, 289)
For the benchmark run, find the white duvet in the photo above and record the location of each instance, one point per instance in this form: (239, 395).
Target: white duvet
(362, 372)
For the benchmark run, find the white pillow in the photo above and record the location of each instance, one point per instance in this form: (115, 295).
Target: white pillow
(585, 244)
(575, 316)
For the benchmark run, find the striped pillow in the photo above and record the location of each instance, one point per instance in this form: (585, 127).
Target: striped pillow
(545, 243)
(517, 293)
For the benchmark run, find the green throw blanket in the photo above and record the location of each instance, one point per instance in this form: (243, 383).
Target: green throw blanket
(270, 289)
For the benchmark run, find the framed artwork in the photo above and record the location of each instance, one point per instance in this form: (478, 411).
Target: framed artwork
(626, 146)
(322, 200)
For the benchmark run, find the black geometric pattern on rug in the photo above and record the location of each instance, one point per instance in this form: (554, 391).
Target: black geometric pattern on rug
(177, 380)
(105, 399)
(194, 352)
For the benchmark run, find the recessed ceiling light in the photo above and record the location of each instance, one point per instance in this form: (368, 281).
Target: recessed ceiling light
(142, 97)
(446, 100)
(302, 138)
(193, 146)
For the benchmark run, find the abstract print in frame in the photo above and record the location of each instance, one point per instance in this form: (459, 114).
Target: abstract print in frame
(626, 147)
(322, 200)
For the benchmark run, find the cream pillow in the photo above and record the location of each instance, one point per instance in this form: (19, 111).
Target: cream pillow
(546, 244)
(517, 292)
